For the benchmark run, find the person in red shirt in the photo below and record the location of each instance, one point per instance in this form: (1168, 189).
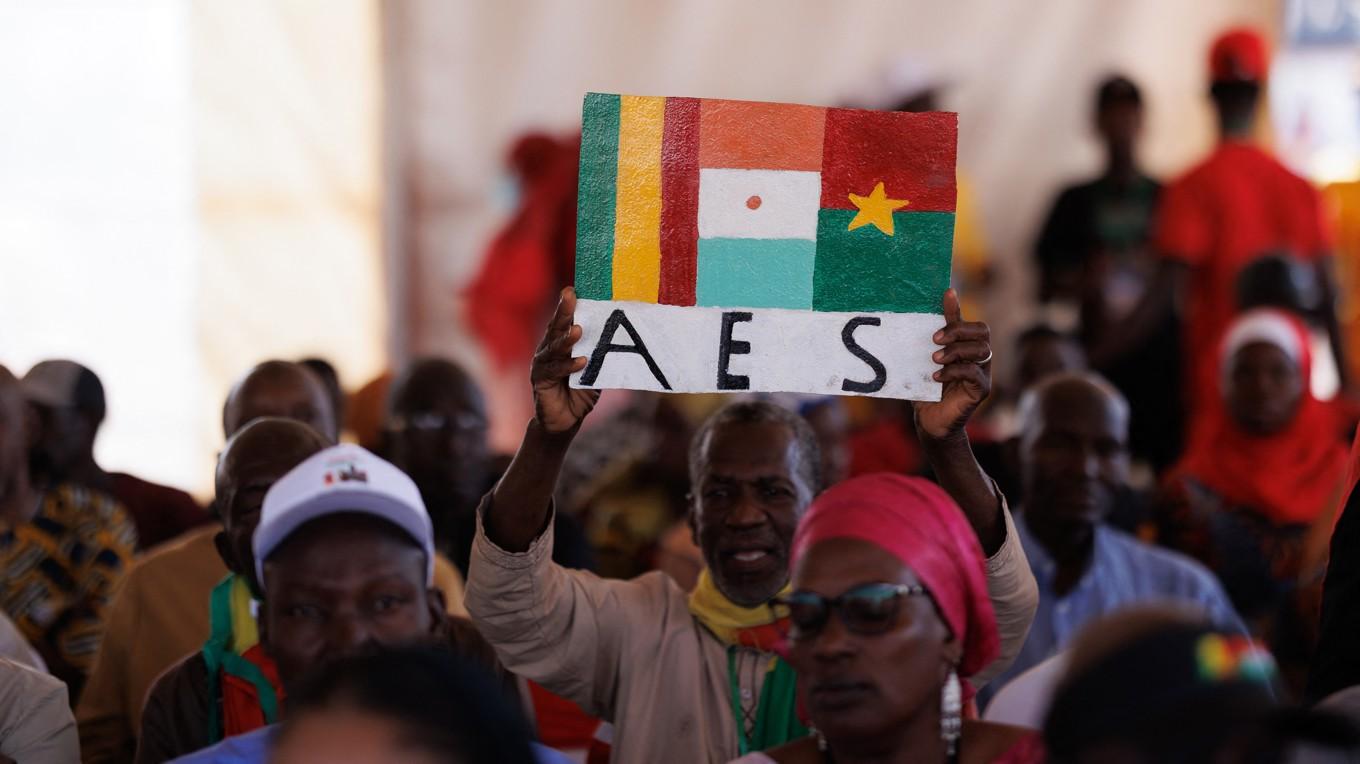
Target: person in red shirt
(1236, 206)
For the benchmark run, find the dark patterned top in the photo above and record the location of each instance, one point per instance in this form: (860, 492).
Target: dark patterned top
(58, 571)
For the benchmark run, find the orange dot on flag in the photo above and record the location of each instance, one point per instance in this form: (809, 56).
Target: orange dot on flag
(753, 203)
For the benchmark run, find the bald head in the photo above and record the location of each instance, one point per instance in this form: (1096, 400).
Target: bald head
(280, 389)
(260, 453)
(1073, 450)
(1056, 396)
(270, 438)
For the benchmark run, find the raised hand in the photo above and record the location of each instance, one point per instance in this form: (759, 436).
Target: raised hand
(557, 406)
(966, 356)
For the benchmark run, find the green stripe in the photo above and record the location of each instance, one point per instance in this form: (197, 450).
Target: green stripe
(865, 270)
(596, 197)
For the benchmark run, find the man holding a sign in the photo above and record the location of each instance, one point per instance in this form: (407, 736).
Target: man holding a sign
(683, 678)
(732, 246)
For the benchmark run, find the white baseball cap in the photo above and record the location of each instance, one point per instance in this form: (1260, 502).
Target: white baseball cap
(342, 479)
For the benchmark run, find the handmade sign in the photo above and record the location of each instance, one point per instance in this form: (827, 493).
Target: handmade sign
(732, 245)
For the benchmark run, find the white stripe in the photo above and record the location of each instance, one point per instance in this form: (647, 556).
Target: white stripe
(789, 200)
(797, 351)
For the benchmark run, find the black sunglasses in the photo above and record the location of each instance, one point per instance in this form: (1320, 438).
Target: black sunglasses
(866, 609)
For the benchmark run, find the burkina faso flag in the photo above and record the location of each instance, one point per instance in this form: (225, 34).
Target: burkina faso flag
(716, 203)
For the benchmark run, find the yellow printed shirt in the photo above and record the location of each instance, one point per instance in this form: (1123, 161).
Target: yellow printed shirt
(59, 569)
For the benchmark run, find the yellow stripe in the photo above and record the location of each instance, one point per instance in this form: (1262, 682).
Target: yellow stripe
(244, 634)
(637, 220)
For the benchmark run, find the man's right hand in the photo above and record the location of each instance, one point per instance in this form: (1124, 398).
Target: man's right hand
(521, 500)
(558, 407)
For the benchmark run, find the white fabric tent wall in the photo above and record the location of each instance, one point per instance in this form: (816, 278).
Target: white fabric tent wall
(466, 78)
(288, 151)
(97, 230)
(187, 189)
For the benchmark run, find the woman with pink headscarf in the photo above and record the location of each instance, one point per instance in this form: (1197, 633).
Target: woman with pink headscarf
(888, 618)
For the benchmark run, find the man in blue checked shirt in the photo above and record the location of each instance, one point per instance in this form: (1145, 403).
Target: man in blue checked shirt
(1074, 461)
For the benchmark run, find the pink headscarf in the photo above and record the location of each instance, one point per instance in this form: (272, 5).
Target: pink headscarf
(915, 521)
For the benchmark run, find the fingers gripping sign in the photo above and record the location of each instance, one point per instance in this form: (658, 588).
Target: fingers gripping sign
(557, 406)
(519, 507)
(965, 357)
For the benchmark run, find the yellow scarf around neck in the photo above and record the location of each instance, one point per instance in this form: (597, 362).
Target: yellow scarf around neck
(758, 627)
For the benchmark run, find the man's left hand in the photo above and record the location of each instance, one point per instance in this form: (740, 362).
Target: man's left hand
(966, 356)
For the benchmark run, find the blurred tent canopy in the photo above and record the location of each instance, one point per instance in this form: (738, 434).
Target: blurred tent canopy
(465, 80)
(189, 188)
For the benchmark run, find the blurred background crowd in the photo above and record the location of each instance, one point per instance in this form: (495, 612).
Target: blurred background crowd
(381, 196)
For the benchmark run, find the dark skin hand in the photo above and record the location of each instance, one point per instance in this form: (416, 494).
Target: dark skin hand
(940, 426)
(523, 496)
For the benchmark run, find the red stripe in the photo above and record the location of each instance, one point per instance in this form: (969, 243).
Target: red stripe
(679, 201)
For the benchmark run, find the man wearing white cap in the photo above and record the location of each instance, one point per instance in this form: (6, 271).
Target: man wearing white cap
(163, 609)
(344, 554)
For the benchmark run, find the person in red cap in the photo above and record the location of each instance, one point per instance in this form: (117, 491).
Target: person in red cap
(1238, 205)
(888, 618)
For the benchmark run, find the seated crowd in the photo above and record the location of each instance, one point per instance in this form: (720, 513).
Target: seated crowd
(1072, 568)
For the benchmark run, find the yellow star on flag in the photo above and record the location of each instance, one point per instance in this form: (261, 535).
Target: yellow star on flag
(876, 209)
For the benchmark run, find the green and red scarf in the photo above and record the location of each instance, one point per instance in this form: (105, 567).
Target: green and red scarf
(759, 628)
(243, 686)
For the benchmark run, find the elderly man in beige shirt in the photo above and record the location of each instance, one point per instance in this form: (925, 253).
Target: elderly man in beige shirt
(694, 678)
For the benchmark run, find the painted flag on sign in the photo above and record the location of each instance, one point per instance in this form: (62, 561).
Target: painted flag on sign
(722, 205)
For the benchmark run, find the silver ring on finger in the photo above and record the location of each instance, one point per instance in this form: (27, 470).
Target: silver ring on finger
(986, 360)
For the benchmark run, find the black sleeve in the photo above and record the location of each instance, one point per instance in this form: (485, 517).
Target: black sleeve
(1336, 662)
(570, 548)
(1065, 239)
(175, 717)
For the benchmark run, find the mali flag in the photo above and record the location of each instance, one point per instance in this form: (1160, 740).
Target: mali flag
(714, 203)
